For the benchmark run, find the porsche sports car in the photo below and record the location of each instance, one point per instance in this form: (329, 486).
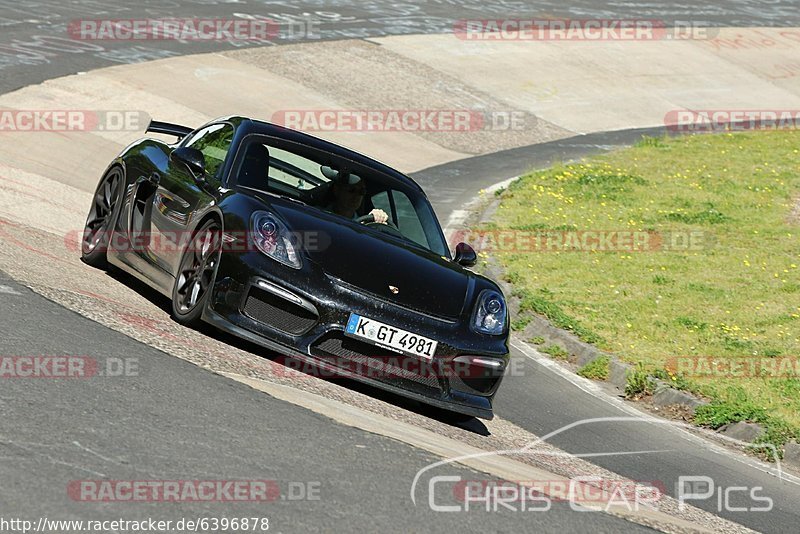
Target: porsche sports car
(236, 222)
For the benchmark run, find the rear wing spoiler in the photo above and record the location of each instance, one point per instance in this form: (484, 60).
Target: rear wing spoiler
(170, 129)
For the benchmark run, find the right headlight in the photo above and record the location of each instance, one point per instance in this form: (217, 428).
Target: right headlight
(490, 313)
(273, 238)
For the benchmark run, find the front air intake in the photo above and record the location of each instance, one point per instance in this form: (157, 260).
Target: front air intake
(278, 313)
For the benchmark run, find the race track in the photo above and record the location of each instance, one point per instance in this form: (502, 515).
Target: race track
(176, 420)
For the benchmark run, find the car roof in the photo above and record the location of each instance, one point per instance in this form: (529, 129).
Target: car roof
(282, 132)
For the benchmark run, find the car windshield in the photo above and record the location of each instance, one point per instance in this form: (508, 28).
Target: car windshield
(291, 170)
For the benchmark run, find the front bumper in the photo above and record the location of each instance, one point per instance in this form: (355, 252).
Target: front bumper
(303, 313)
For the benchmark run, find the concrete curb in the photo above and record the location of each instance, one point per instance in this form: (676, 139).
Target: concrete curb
(618, 373)
(742, 431)
(791, 454)
(668, 396)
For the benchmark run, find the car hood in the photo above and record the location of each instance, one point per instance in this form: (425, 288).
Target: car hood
(374, 263)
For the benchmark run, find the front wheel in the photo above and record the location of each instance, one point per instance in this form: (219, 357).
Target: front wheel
(193, 283)
(96, 233)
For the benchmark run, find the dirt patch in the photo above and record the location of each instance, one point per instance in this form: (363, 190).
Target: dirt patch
(794, 215)
(675, 412)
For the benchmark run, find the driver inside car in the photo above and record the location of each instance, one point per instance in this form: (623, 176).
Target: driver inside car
(348, 192)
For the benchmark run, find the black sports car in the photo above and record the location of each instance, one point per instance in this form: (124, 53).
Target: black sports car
(244, 225)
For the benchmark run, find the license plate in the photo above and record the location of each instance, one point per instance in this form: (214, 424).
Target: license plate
(390, 337)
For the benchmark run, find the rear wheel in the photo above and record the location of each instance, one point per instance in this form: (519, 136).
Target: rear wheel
(193, 283)
(97, 231)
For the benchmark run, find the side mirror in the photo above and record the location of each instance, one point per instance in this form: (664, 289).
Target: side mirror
(192, 158)
(465, 255)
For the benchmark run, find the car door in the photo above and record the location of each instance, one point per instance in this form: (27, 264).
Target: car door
(180, 195)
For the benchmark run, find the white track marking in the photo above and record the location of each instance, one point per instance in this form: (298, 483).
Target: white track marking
(9, 290)
(592, 389)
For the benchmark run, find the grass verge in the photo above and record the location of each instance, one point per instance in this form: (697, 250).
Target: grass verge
(596, 369)
(716, 277)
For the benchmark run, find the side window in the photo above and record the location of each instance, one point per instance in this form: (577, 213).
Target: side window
(214, 142)
(407, 219)
(381, 201)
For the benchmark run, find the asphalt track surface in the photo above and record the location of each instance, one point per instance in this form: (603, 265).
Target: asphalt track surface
(35, 45)
(167, 419)
(187, 408)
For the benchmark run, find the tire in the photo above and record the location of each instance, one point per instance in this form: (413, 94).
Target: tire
(97, 230)
(196, 274)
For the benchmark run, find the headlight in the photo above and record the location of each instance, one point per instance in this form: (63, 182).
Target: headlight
(273, 238)
(490, 313)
